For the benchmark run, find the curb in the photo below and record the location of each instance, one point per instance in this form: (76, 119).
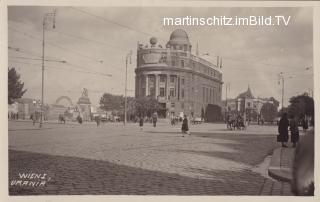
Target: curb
(276, 171)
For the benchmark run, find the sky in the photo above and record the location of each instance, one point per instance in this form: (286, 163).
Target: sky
(94, 43)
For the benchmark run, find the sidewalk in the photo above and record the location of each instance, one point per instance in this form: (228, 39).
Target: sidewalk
(281, 164)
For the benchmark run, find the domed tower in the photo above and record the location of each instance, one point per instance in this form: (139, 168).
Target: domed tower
(179, 40)
(153, 41)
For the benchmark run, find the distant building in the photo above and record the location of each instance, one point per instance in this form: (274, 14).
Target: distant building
(246, 102)
(25, 107)
(183, 83)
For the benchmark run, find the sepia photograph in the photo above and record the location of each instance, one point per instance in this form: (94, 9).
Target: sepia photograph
(160, 100)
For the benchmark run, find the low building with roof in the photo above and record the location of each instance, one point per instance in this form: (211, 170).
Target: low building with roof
(246, 102)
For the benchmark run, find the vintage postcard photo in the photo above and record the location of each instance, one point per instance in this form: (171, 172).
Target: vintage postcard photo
(160, 100)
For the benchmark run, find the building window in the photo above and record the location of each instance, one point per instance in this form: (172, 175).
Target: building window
(182, 93)
(192, 76)
(203, 94)
(152, 91)
(172, 79)
(151, 79)
(172, 104)
(162, 78)
(207, 95)
(248, 104)
(182, 63)
(182, 105)
(171, 92)
(213, 96)
(182, 81)
(162, 92)
(173, 62)
(210, 96)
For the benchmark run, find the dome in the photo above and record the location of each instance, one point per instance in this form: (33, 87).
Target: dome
(179, 37)
(153, 41)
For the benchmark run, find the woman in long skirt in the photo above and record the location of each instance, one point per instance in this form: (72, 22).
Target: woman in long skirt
(283, 130)
(185, 127)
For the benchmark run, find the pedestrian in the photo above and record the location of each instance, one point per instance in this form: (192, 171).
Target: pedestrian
(141, 122)
(294, 130)
(98, 120)
(185, 127)
(305, 124)
(154, 119)
(283, 130)
(33, 116)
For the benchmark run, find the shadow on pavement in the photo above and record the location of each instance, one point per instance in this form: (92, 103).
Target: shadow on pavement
(249, 149)
(79, 176)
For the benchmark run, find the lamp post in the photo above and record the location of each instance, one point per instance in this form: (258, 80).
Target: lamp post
(46, 16)
(125, 88)
(281, 77)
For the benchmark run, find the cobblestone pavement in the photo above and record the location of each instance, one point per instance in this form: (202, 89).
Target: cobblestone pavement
(112, 159)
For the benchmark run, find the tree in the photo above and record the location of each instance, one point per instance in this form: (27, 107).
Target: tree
(301, 105)
(268, 112)
(15, 86)
(146, 106)
(275, 102)
(111, 102)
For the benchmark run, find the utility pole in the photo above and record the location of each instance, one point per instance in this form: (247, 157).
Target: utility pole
(281, 77)
(47, 15)
(125, 90)
(227, 110)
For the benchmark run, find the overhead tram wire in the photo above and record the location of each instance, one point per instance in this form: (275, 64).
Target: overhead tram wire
(249, 61)
(89, 40)
(63, 68)
(58, 46)
(145, 33)
(83, 38)
(30, 36)
(110, 21)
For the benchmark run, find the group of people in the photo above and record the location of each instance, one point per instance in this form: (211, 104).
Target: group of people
(293, 125)
(236, 122)
(184, 127)
(13, 115)
(154, 120)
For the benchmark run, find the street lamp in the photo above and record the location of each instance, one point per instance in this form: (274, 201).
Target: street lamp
(125, 90)
(46, 16)
(281, 77)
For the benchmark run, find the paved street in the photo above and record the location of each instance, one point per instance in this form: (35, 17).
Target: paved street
(112, 159)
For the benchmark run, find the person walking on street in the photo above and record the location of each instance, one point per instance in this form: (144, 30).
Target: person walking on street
(98, 120)
(294, 130)
(305, 124)
(154, 119)
(141, 122)
(185, 127)
(283, 130)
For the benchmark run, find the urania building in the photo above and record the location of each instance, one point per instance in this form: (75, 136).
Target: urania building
(182, 82)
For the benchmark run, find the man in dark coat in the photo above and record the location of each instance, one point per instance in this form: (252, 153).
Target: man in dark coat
(283, 130)
(141, 122)
(185, 127)
(305, 124)
(294, 130)
(154, 119)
